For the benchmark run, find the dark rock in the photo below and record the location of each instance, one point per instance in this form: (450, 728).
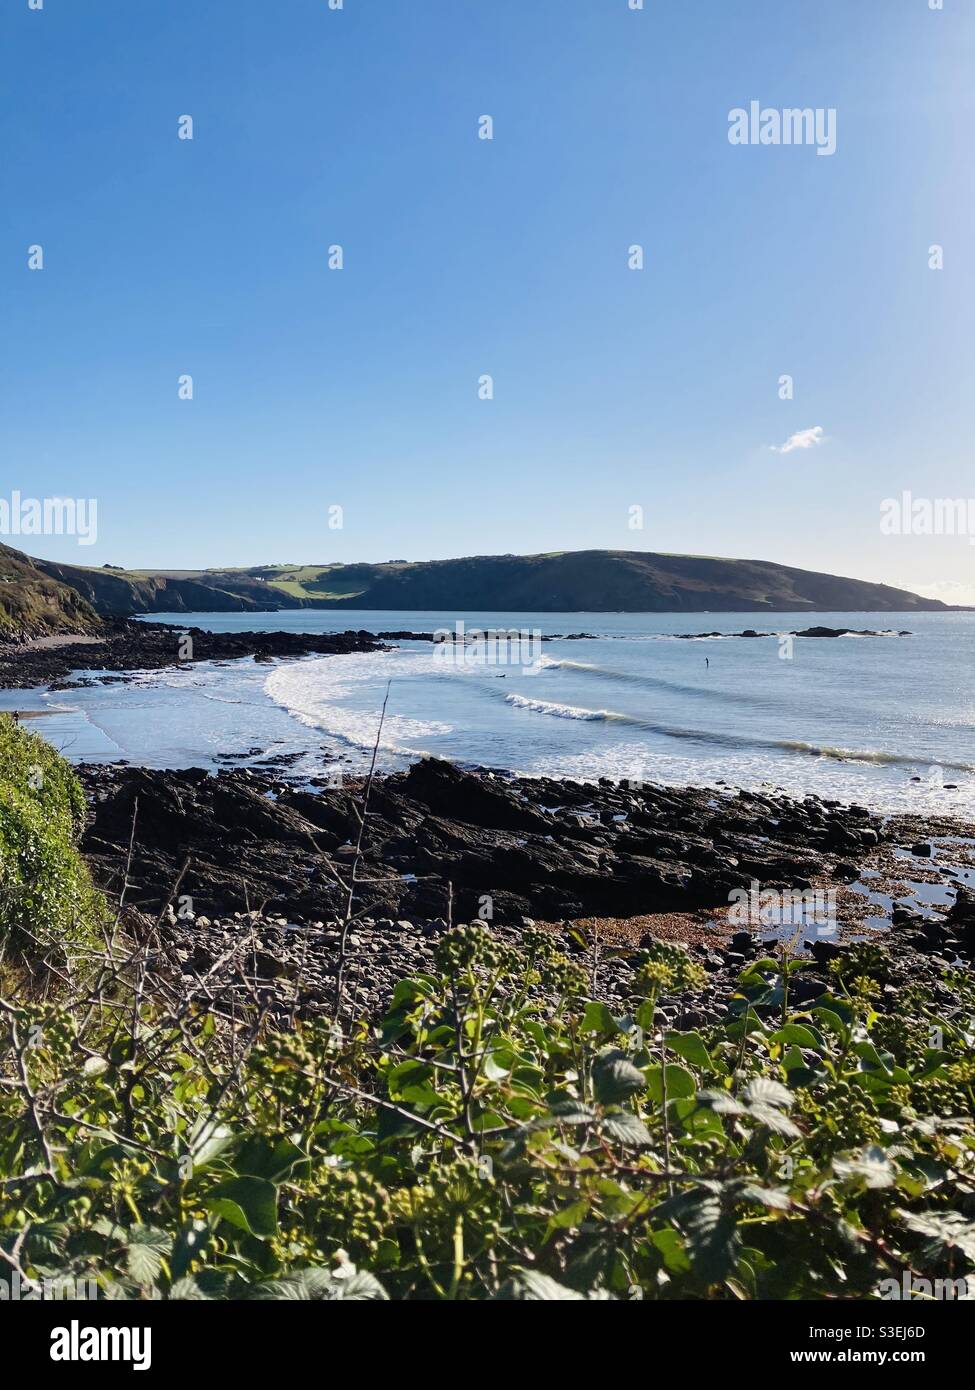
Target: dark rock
(961, 918)
(803, 989)
(825, 951)
(129, 646)
(437, 830)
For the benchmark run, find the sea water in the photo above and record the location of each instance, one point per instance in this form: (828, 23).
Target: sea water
(887, 721)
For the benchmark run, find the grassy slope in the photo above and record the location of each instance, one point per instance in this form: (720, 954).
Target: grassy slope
(580, 581)
(628, 581)
(121, 592)
(33, 604)
(569, 581)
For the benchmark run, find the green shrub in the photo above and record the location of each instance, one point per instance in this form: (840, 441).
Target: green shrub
(47, 901)
(499, 1136)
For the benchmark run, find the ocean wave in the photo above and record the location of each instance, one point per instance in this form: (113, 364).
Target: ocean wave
(567, 711)
(758, 770)
(611, 716)
(607, 673)
(860, 755)
(309, 691)
(735, 741)
(553, 662)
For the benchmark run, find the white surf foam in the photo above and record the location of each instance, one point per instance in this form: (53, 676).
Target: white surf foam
(566, 711)
(313, 691)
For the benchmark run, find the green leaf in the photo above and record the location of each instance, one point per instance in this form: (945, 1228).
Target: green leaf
(833, 1011)
(259, 1157)
(358, 1286)
(721, 1101)
(491, 1070)
(764, 1091)
(774, 1197)
(614, 1077)
(932, 1062)
(871, 1166)
(569, 1217)
(626, 1128)
(671, 1247)
(758, 966)
(695, 1118)
(529, 1285)
(144, 1254)
(799, 1035)
(773, 1119)
(407, 1074)
(347, 1284)
(48, 1240)
(598, 1019)
(713, 1241)
(744, 1025)
(646, 1015)
(248, 1203)
(869, 1055)
(207, 1142)
(187, 1289)
(681, 1084)
(690, 1046)
(943, 1230)
(566, 1112)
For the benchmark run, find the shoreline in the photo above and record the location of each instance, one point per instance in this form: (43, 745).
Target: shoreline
(615, 864)
(129, 647)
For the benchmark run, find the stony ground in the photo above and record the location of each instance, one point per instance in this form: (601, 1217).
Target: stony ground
(291, 968)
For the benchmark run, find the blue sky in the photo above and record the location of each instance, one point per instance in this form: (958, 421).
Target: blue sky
(613, 388)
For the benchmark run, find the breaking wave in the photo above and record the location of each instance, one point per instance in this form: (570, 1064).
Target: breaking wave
(313, 692)
(738, 741)
(567, 711)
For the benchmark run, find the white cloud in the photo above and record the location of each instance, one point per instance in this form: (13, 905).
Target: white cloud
(802, 439)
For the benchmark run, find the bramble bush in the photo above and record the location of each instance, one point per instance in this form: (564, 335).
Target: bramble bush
(499, 1135)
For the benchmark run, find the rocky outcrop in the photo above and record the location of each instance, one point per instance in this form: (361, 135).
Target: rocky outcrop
(803, 632)
(528, 847)
(128, 646)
